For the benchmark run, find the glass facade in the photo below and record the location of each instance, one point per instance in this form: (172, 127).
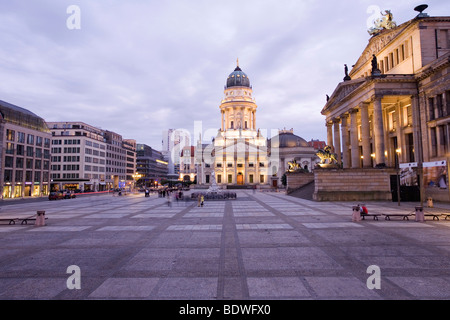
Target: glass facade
(25, 138)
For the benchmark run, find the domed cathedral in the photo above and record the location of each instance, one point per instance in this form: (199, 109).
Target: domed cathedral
(294, 153)
(239, 151)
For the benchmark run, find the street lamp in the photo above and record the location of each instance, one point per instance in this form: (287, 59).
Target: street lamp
(136, 177)
(397, 164)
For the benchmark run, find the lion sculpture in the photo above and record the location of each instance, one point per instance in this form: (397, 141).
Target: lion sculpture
(326, 154)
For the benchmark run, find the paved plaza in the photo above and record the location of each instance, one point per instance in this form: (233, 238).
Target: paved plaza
(262, 246)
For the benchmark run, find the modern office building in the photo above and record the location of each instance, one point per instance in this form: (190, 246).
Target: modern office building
(151, 165)
(24, 153)
(78, 160)
(130, 145)
(173, 142)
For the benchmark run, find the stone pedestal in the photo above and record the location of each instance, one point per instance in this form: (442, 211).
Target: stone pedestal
(419, 214)
(356, 215)
(40, 219)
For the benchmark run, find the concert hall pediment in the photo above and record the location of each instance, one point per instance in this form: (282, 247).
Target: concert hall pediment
(343, 90)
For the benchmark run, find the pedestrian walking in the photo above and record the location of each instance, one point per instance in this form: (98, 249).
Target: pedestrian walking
(202, 199)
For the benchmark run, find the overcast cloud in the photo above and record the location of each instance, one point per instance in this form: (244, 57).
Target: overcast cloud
(139, 67)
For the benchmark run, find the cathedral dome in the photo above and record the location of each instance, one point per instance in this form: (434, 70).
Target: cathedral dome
(287, 139)
(238, 79)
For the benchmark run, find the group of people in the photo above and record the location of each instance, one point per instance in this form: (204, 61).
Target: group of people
(201, 200)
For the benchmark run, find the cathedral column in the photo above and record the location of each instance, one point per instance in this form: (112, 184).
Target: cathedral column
(378, 130)
(337, 140)
(222, 113)
(354, 138)
(345, 151)
(365, 134)
(254, 120)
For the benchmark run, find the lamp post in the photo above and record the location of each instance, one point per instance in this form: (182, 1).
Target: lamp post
(397, 165)
(136, 177)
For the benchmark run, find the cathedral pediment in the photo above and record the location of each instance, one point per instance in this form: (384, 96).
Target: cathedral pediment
(237, 146)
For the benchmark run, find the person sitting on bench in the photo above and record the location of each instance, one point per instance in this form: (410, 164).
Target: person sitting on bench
(364, 210)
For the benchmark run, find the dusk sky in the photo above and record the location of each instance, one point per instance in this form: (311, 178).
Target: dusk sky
(139, 67)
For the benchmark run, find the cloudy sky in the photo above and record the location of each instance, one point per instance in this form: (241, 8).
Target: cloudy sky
(138, 67)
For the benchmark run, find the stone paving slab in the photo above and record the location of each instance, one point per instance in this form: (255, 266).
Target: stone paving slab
(263, 245)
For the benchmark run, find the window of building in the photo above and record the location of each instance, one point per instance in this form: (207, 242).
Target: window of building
(261, 178)
(20, 137)
(19, 162)
(20, 151)
(9, 148)
(230, 165)
(207, 178)
(30, 139)
(8, 176)
(250, 178)
(219, 178)
(29, 163)
(433, 142)
(431, 108)
(9, 162)
(39, 141)
(392, 121)
(439, 106)
(30, 151)
(407, 115)
(10, 135)
(29, 176)
(19, 176)
(230, 178)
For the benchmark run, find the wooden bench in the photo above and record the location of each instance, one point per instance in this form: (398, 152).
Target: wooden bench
(374, 215)
(11, 220)
(22, 219)
(435, 216)
(405, 216)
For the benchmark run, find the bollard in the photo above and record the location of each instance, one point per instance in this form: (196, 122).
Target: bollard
(419, 214)
(430, 202)
(40, 219)
(356, 215)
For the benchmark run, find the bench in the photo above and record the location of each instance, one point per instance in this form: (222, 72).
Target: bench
(23, 219)
(374, 215)
(405, 216)
(11, 220)
(32, 218)
(435, 216)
